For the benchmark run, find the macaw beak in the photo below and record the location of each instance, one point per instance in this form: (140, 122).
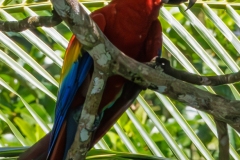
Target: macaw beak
(176, 2)
(190, 4)
(165, 1)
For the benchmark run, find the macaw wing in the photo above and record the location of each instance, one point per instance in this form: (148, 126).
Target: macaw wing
(129, 93)
(74, 71)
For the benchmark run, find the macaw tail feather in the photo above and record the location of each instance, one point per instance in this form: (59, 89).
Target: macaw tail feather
(75, 69)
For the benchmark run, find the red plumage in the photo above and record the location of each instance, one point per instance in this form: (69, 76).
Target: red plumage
(134, 28)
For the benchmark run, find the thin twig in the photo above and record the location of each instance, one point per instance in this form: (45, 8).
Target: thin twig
(194, 78)
(30, 23)
(223, 140)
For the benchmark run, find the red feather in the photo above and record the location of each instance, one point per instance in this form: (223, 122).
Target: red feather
(134, 28)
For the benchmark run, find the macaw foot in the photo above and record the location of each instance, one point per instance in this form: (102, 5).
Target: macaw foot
(96, 123)
(76, 117)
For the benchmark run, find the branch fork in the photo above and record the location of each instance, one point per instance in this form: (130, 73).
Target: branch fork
(108, 60)
(106, 56)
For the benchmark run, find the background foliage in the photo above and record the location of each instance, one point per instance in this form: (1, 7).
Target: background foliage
(13, 109)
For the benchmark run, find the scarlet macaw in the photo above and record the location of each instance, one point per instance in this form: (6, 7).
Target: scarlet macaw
(133, 27)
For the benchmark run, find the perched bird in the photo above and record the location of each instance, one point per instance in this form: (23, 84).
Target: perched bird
(133, 27)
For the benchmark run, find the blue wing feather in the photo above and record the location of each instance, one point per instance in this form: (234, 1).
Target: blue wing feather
(72, 81)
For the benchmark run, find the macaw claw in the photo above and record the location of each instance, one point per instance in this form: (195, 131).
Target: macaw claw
(96, 124)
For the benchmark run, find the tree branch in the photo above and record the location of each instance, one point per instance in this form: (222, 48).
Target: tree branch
(221, 108)
(106, 56)
(223, 140)
(194, 78)
(30, 23)
(55, 19)
(88, 117)
(109, 60)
